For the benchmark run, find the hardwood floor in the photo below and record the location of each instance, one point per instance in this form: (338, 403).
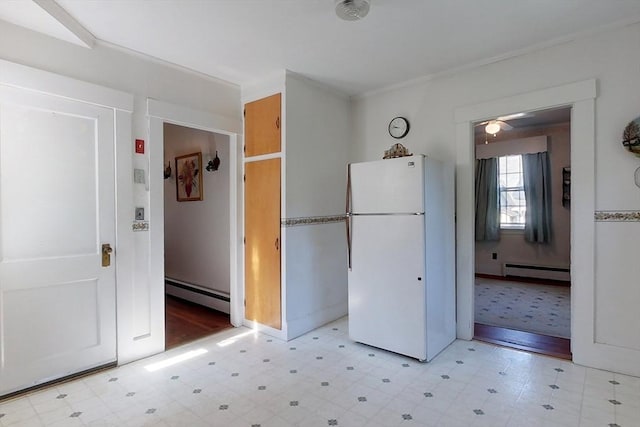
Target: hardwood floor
(525, 279)
(186, 321)
(535, 343)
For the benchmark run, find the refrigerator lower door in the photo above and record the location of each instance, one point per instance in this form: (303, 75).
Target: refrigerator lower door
(387, 306)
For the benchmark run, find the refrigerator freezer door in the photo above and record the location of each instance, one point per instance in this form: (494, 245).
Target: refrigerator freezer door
(388, 186)
(387, 307)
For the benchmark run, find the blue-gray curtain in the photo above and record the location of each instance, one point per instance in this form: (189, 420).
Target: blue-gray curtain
(487, 202)
(537, 191)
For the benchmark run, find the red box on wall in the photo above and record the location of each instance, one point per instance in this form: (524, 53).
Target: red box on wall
(139, 146)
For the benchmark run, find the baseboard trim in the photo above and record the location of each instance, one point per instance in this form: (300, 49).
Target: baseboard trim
(280, 334)
(198, 295)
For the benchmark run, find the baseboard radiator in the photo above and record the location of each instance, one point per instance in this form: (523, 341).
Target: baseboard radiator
(208, 297)
(536, 271)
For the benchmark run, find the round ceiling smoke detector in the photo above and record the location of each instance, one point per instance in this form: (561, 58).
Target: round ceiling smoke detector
(352, 10)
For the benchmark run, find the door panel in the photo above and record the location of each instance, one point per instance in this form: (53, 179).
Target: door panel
(57, 304)
(31, 204)
(76, 312)
(262, 125)
(262, 247)
(387, 306)
(388, 186)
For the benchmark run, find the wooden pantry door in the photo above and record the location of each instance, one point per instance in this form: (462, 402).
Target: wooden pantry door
(262, 243)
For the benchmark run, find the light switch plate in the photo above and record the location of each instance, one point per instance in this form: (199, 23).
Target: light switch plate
(138, 176)
(139, 214)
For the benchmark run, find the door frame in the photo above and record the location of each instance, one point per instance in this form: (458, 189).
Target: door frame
(580, 96)
(159, 113)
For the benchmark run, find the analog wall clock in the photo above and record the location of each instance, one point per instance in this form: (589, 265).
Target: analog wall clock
(398, 127)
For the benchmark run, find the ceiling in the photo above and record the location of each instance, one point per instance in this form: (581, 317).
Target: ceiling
(531, 119)
(242, 41)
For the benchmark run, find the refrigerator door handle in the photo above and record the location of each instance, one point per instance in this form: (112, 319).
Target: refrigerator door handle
(348, 215)
(348, 222)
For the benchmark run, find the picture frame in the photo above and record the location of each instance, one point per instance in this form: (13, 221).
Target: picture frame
(189, 177)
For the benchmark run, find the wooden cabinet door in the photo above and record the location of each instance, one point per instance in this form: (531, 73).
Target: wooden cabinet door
(262, 242)
(262, 126)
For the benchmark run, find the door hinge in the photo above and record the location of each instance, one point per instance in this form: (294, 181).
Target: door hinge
(244, 149)
(244, 240)
(245, 302)
(244, 112)
(244, 178)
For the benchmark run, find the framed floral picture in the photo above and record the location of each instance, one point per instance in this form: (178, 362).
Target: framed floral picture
(189, 177)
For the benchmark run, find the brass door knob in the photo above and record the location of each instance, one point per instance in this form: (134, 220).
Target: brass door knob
(106, 255)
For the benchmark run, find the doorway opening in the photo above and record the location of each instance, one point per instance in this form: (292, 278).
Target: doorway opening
(522, 283)
(197, 215)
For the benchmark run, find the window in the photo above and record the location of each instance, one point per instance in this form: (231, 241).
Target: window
(513, 205)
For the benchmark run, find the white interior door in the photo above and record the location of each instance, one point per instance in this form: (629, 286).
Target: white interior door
(57, 303)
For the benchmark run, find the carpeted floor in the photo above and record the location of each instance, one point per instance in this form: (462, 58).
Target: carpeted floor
(530, 307)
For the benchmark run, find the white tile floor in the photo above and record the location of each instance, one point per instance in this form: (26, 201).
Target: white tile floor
(324, 379)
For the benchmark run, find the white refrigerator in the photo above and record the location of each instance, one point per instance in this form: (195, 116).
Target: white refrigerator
(401, 248)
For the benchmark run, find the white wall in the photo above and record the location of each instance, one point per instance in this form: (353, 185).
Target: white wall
(611, 58)
(317, 141)
(141, 288)
(512, 247)
(196, 233)
(318, 135)
(119, 69)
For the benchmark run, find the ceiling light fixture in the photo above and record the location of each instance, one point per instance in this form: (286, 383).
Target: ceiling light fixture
(492, 127)
(352, 10)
